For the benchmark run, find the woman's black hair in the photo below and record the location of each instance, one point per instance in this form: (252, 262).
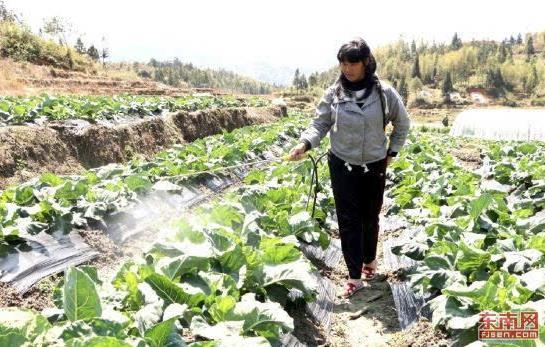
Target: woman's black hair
(354, 51)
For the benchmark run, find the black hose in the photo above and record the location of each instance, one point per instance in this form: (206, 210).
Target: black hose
(314, 182)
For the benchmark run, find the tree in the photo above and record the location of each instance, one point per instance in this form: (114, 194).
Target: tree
(70, 59)
(144, 74)
(433, 76)
(153, 62)
(7, 15)
(512, 40)
(80, 47)
(502, 53)
(159, 75)
(416, 67)
(532, 81)
(447, 85)
(296, 78)
(529, 49)
(402, 89)
(500, 82)
(58, 28)
(104, 52)
(313, 79)
(415, 85)
(171, 78)
(456, 42)
(495, 81)
(303, 84)
(93, 52)
(519, 39)
(413, 49)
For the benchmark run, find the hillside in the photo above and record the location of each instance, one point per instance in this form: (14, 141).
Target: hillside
(509, 72)
(33, 64)
(20, 78)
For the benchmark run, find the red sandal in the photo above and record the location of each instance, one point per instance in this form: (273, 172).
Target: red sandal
(369, 272)
(351, 289)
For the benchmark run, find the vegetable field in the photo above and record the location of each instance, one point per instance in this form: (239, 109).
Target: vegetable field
(476, 236)
(239, 265)
(23, 110)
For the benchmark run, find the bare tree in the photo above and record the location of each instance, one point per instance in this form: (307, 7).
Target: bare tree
(104, 51)
(58, 28)
(6, 15)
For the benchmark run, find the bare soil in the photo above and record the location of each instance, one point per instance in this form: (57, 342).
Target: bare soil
(306, 330)
(369, 318)
(110, 253)
(433, 116)
(469, 156)
(73, 146)
(421, 334)
(36, 298)
(25, 151)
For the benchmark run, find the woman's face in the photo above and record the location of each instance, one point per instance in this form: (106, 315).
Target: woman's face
(353, 72)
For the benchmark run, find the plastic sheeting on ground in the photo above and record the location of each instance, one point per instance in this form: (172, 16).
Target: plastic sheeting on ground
(41, 255)
(409, 306)
(329, 257)
(501, 124)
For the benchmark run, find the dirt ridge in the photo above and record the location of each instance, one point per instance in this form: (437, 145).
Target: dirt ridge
(70, 147)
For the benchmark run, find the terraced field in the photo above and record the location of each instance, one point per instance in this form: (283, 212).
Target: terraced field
(219, 242)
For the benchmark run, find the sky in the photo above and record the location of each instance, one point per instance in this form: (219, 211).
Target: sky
(280, 33)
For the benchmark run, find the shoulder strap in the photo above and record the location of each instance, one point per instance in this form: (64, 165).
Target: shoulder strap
(383, 104)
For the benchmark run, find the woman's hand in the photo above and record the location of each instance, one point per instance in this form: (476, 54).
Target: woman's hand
(296, 153)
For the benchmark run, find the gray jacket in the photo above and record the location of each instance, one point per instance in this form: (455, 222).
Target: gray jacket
(357, 134)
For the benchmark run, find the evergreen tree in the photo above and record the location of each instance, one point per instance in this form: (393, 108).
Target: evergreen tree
(303, 84)
(93, 52)
(313, 79)
(500, 82)
(433, 76)
(490, 78)
(495, 81)
(416, 68)
(529, 49)
(159, 75)
(510, 53)
(502, 53)
(171, 78)
(296, 79)
(413, 48)
(512, 40)
(80, 47)
(447, 84)
(519, 39)
(456, 42)
(403, 90)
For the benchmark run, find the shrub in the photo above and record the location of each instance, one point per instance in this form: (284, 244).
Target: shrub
(19, 43)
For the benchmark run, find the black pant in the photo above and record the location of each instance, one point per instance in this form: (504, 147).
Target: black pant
(358, 199)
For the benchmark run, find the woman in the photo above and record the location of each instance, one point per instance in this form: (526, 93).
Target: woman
(355, 110)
